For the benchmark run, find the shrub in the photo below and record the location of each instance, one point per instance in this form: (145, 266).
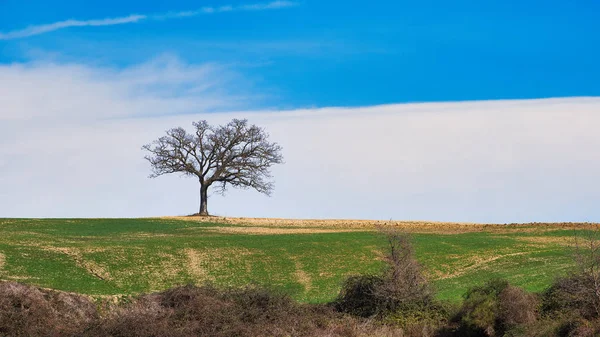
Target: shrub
(517, 307)
(178, 312)
(401, 285)
(422, 320)
(140, 318)
(30, 311)
(207, 311)
(497, 307)
(360, 296)
(404, 281)
(576, 293)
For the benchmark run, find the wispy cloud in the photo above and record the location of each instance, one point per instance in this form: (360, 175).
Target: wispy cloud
(224, 9)
(135, 18)
(41, 29)
(271, 5)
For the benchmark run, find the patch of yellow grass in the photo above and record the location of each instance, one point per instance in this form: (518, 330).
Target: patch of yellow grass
(302, 277)
(90, 266)
(195, 266)
(408, 226)
(164, 271)
(200, 263)
(543, 241)
(276, 230)
(473, 263)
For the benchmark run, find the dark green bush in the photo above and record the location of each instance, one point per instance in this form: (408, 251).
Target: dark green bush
(359, 296)
(497, 307)
(422, 319)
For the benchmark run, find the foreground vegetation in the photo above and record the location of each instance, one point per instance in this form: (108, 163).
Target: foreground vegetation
(179, 312)
(120, 257)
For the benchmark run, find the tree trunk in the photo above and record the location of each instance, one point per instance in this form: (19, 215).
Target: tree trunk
(203, 200)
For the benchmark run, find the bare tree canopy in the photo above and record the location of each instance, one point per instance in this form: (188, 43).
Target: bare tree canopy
(236, 154)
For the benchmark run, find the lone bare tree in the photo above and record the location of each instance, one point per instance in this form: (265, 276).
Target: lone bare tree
(237, 154)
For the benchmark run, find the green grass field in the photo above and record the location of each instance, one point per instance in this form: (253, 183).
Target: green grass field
(131, 256)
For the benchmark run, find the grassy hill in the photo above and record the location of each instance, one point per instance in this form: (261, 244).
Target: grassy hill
(307, 259)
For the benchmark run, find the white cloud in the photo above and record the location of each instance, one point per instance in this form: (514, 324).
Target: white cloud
(135, 18)
(70, 138)
(57, 92)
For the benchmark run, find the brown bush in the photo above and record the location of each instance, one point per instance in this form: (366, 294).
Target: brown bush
(401, 285)
(404, 281)
(206, 311)
(351, 327)
(516, 307)
(30, 311)
(578, 327)
(570, 294)
(178, 312)
(137, 319)
(582, 290)
(253, 311)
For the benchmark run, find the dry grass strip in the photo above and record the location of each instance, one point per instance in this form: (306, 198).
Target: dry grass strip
(195, 265)
(301, 276)
(409, 226)
(276, 230)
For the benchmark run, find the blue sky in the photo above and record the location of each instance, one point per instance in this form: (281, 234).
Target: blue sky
(483, 111)
(342, 53)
